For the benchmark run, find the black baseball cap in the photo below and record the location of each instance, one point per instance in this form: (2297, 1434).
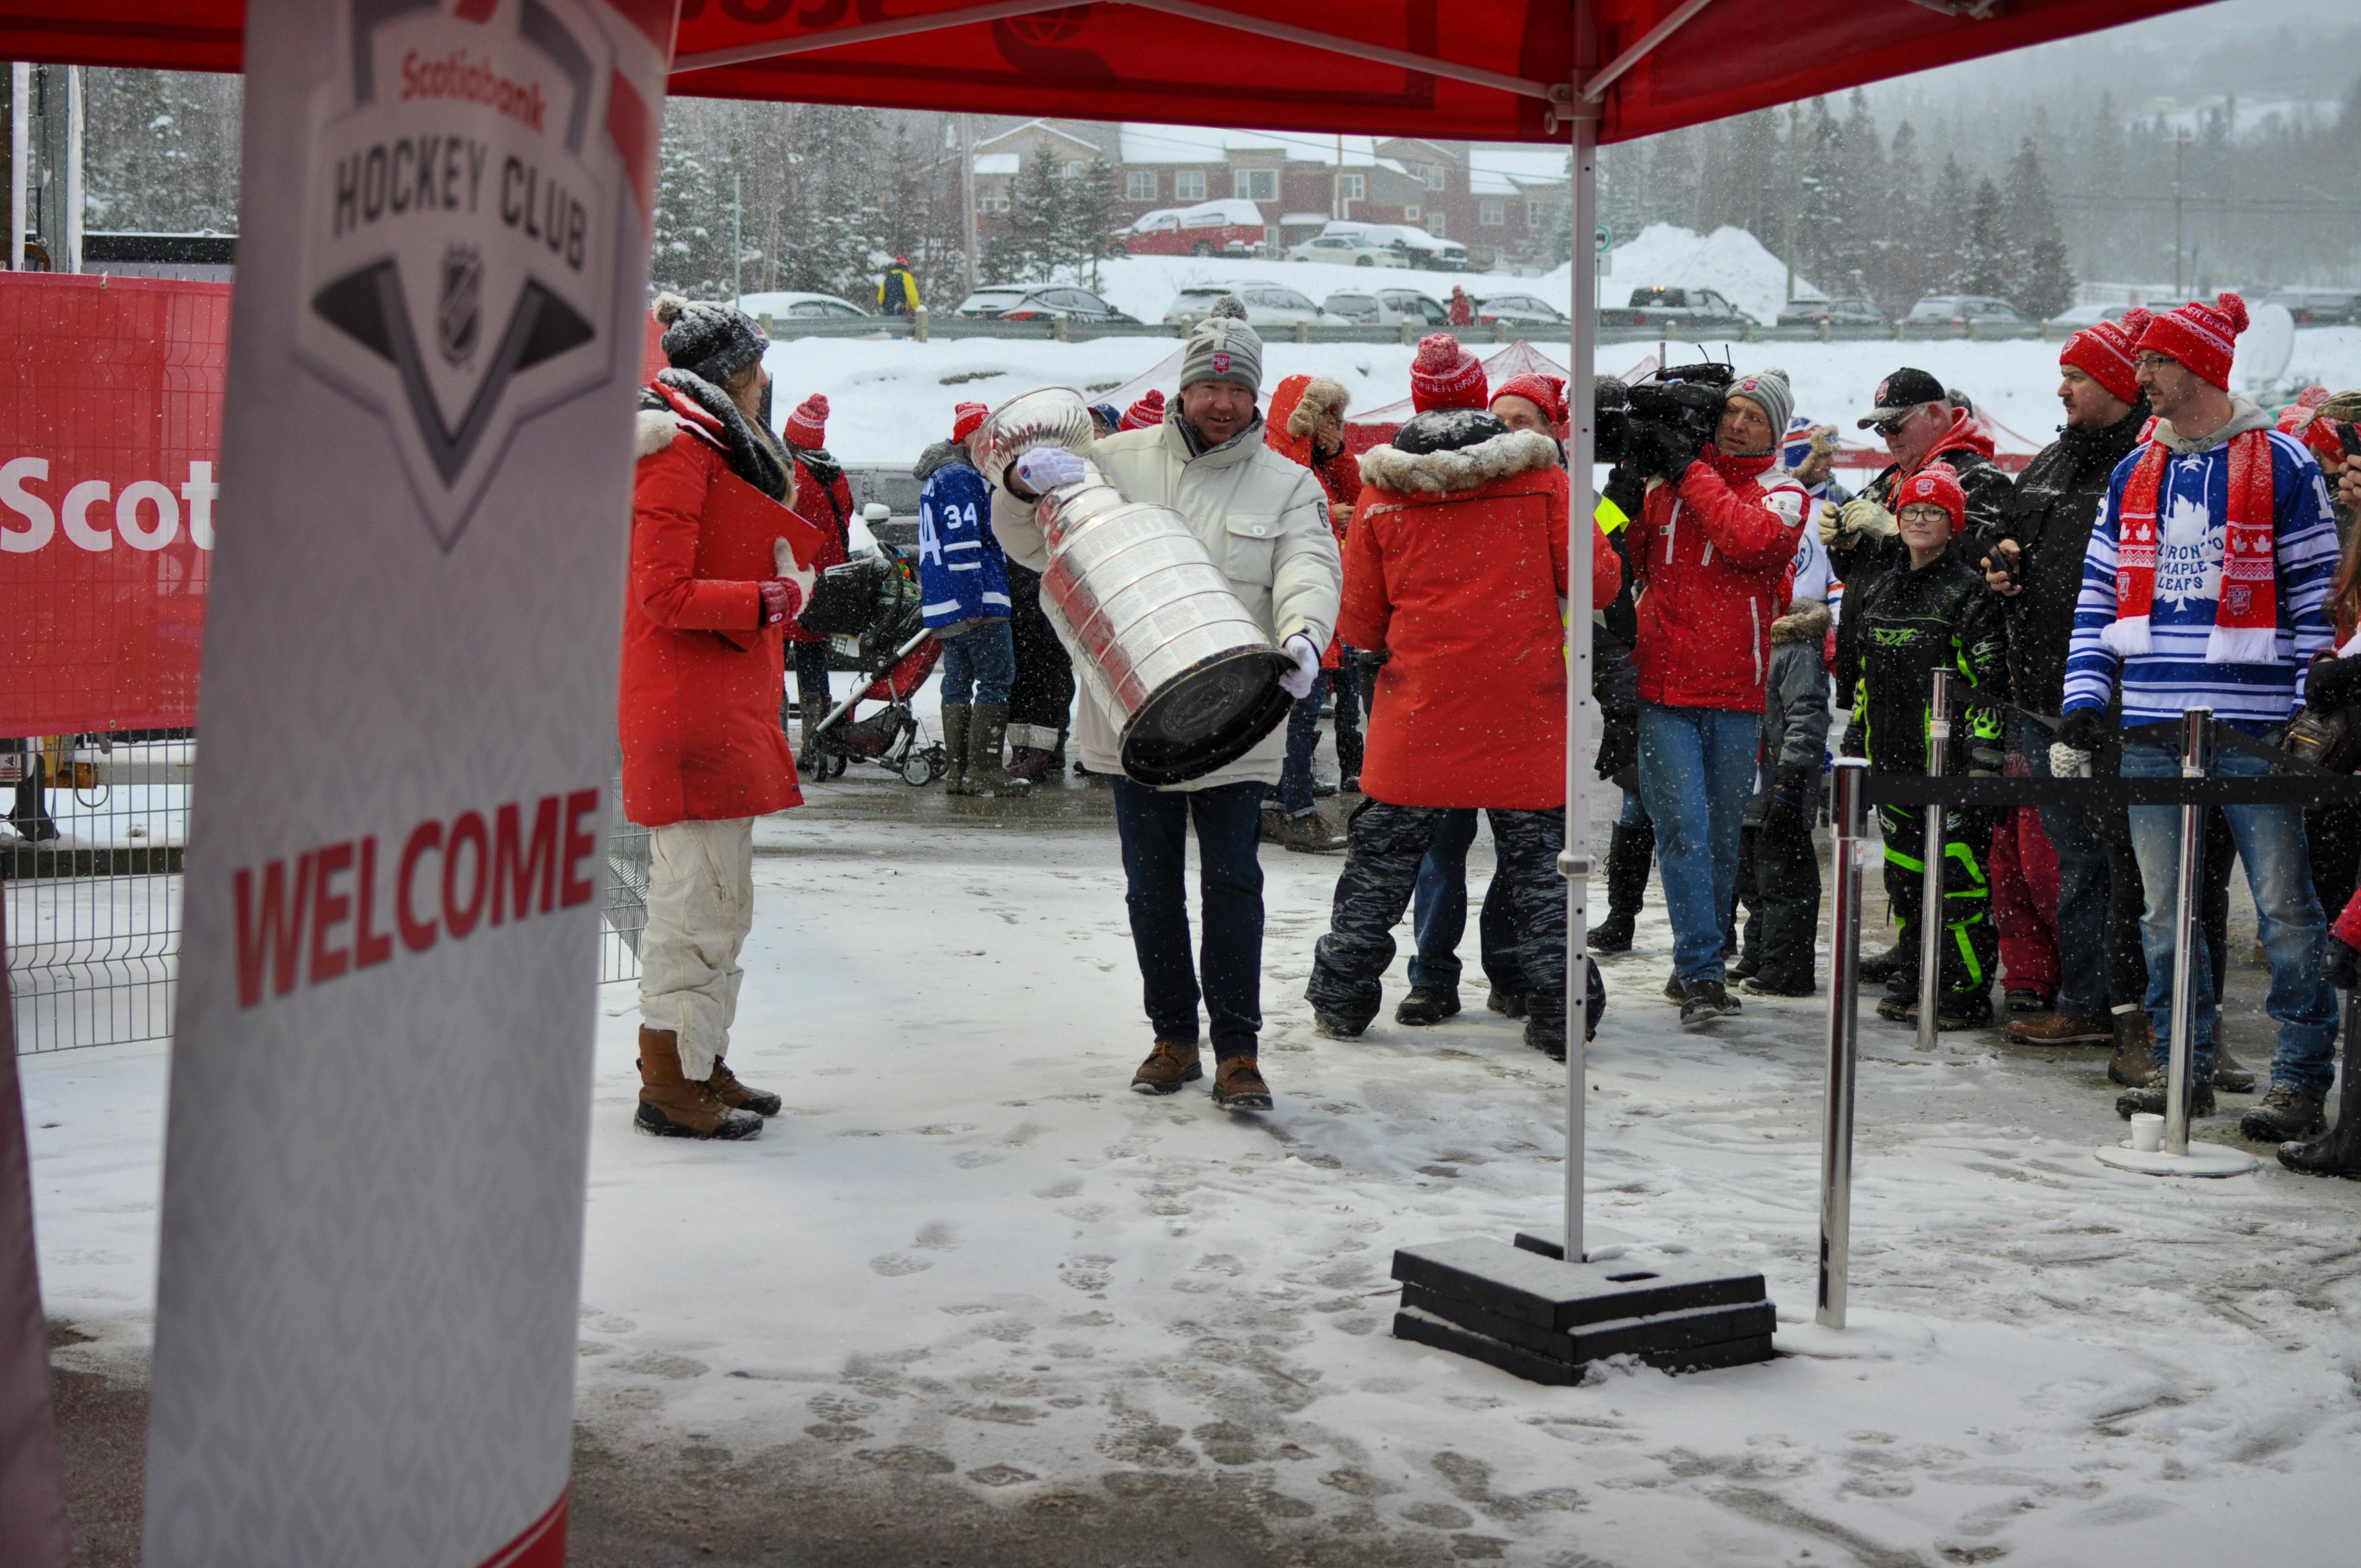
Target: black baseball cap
(1902, 391)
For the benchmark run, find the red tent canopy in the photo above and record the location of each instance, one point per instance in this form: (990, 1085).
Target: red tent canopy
(1481, 69)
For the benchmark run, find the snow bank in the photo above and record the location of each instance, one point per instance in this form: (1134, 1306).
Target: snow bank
(1729, 259)
(887, 399)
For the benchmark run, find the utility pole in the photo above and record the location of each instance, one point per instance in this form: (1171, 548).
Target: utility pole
(736, 237)
(967, 198)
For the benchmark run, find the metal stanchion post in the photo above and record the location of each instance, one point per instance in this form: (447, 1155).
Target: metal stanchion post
(1844, 1023)
(2196, 757)
(1930, 856)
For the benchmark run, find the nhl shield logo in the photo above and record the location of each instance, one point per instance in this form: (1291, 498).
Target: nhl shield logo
(1220, 363)
(457, 252)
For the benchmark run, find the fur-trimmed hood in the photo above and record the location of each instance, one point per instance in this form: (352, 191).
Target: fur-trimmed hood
(1452, 470)
(680, 400)
(1806, 620)
(1319, 396)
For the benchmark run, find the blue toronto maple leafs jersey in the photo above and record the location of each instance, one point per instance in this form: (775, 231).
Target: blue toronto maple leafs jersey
(962, 573)
(2192, 512)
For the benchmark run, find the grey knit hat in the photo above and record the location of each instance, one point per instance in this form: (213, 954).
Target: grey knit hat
(1222, 349)
(1768, 390)
(708, 338)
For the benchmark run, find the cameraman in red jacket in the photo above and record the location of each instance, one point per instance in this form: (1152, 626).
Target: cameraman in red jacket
(1711, 552)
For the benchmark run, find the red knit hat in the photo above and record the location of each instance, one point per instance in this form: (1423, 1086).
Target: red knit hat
(964, 419)
(1146, 413)
(1546, 393)
(1445, 375)
(2201, 337)
(808, 426)
(1939, 483)
(2103, 353)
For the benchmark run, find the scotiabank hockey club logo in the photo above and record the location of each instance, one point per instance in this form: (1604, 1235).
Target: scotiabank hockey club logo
(459, 229)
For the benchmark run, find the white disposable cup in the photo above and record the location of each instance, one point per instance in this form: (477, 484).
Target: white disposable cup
(2147, 1131)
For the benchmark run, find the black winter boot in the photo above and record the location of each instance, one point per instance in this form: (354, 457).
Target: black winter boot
(1878, 968)
(2284, 1113)
(1629, 852)
(1427, 1005)
(2336, 1152)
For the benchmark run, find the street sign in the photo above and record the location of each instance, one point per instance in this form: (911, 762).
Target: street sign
(1602, 239)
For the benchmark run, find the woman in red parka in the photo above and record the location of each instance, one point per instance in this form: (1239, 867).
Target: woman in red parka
(718, 564)
(1455, 565)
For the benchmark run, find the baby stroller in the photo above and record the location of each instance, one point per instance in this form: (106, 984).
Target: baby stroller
(868, 609)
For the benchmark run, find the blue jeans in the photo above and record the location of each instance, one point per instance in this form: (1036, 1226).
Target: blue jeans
(1439, 913)
(982, 659)
(1153, 825)
(2082, 892)
(1697, 774)
(2279, 875)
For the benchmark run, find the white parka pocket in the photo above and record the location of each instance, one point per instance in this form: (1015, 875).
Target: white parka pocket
(1249, 547)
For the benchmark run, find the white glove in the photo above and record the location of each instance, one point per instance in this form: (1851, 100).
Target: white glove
(1864, 519)
(1297, 682)
(2065, 763)
(1044, 468)
(792, 569)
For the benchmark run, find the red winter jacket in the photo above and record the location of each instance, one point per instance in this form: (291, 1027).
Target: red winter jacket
(1455, 566)
(1711, 556)
(827, 508)
(1339, 476)
(698, 708)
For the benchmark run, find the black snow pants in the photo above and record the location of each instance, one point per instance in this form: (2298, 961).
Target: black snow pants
(1386, 845)
(1779, 885)
(1043, 694)
(1970, 947)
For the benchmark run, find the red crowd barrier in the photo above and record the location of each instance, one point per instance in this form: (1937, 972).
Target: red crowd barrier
(109, 423)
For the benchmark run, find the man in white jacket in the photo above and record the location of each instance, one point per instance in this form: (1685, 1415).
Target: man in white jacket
(1264, 521)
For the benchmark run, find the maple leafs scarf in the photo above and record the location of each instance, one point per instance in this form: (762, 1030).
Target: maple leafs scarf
(2246, 613)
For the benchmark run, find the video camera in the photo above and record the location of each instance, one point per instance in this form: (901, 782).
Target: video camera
(1656, 427)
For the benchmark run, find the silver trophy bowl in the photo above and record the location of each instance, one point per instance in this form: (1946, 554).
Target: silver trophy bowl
(1171, 654)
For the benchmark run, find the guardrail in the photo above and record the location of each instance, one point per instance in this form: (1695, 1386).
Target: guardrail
(1060, 330)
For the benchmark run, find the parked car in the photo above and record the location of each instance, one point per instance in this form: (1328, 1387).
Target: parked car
(1266, 305)
(1518, 309)
(2319, 307)
(1684, 308)
(1965, 310)
(1386, 307)
(781, 304)
(1231, 224)
(1023, 302)
(1415, 246)
(1849, 310)
(1347, 250)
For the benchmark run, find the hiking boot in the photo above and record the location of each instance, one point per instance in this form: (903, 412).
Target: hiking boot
(2336, 1152)
(957, 720)
(2149, 1098)
(2284, 1113)
(1674, 991)
(2058, 1029)
(1506, 1003)
(1612, 934)
(1745, 966)
(736, 1095)
(2025, 999)
(1705, 1002)
(1238, 1085)
(2134, 1062)
(1273, 827)
(1895, 1010)
(671, 1106)
(1328, 1027)
(1964, 1012)
(1427, 1005)
(1171, 1064)
(2232, 1076)
(1880, 968)
(1759, 985)
(1310, 834)
(986, 731)
(1551, 1044)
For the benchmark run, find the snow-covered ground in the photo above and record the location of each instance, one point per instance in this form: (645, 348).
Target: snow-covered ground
(967, 1256)
(887, 399)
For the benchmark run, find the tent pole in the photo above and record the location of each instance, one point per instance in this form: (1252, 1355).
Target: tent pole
(1573, 860)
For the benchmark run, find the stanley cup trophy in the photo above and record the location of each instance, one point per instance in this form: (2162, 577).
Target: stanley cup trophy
(1184, 671)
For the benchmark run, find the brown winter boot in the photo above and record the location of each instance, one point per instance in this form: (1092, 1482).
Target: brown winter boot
(1238, 1085)
(1171, 1064)
(986, 731)
(673, 1107)
(2134, 1062)
(957, 718)
(736, 1095)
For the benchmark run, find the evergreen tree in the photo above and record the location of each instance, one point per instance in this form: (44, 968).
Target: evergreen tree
(1985, 262)
(1820, 199)
(1089, 214)
(1910, 263)
(1859, 238)
(2039, 281)
(161, 150)
(1027, 249)
(1949, 221)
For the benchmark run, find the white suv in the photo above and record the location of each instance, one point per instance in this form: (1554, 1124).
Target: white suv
(1347, 250)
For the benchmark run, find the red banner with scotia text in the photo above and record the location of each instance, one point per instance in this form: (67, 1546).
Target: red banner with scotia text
(110, 425)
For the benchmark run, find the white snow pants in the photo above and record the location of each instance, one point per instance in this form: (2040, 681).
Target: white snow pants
(700, 906)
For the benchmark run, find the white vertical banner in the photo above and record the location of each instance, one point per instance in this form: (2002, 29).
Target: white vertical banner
(378, 1128)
